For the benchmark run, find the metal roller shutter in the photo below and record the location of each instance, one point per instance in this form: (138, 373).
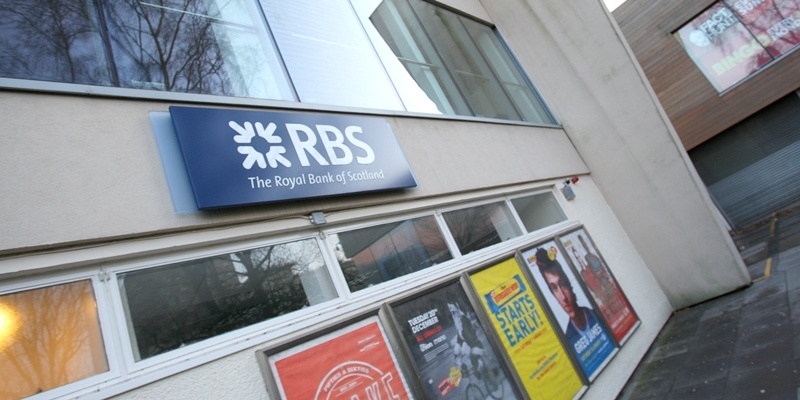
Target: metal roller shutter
(753, 168)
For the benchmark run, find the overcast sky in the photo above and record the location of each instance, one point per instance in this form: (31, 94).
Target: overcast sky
(613, 4)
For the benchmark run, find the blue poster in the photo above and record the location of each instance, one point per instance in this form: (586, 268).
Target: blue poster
(239, 157)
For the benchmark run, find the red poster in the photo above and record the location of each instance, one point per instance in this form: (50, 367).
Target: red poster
(353, 363)
(603, 287)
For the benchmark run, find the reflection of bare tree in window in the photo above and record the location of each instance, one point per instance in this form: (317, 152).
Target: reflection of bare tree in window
(167, 45)
(782, 33)
(472, 227)
(380, 253)
(183, 303)
(51, 40)
(56, 340)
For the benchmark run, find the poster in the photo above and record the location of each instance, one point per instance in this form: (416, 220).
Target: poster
(526, 333)
(452, 353)
(585, 335)
(353, 363)
(722, 47)
(592, 269)
(775, 23)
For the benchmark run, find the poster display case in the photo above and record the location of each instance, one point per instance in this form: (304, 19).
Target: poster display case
(585, 334)
(529, 338)
(450, 351)
(541, 322)
(604, 289)
(353, 362)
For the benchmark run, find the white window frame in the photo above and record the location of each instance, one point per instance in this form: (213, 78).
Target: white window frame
(125, 373)
(548, 230)
(110, 337)
(210, 345)
(514, 219)
(385, 289)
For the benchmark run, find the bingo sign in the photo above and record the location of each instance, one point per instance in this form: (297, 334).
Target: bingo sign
(733, 39)
(237, 157)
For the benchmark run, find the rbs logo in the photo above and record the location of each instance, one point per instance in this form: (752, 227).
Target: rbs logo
(262, 146)
(238, 157)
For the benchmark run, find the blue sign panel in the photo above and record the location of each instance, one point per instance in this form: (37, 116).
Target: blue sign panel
(237, 157)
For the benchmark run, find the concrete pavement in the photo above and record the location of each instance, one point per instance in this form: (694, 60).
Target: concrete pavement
(743, 345)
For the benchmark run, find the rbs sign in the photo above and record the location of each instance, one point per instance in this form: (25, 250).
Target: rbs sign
(238, 157)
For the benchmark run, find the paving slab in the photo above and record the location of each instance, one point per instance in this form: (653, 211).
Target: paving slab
(767, 382)
(743, 345)
(706, 390)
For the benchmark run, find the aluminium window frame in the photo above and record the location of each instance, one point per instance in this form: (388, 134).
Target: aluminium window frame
(377, 41)
(211, 99)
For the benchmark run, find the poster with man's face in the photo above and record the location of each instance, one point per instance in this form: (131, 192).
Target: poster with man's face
(586, 336)
(604, 289)
(450, 348)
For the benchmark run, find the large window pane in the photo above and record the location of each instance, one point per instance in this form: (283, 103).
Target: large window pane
(538, 211)
(328, 55)
(52, 41)
(179, 304)
(212, 47)
(377, 254)
(460, 64)
(48, 338)
(478, 84)
(216, 47)
(516, 85)
(479, 227)
(403, 33)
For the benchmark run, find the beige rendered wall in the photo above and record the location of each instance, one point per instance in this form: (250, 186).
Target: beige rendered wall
(88, 171)
(574, 52)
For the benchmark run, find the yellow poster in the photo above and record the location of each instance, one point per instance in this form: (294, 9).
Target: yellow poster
(527, 335)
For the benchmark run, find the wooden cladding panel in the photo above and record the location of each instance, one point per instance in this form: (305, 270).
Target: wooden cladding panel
(695, 108)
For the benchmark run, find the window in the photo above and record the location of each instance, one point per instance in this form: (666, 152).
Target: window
(328, 55)
(210, 47)
(538, 211)
(179, 304)
(49, 337)
(475, 228)
(377, 254)
(59, 42)
(460, 64)
(392, 55)
(733, 39)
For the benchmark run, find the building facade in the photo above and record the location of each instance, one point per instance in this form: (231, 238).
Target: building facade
(260, 199)
(727, 74)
